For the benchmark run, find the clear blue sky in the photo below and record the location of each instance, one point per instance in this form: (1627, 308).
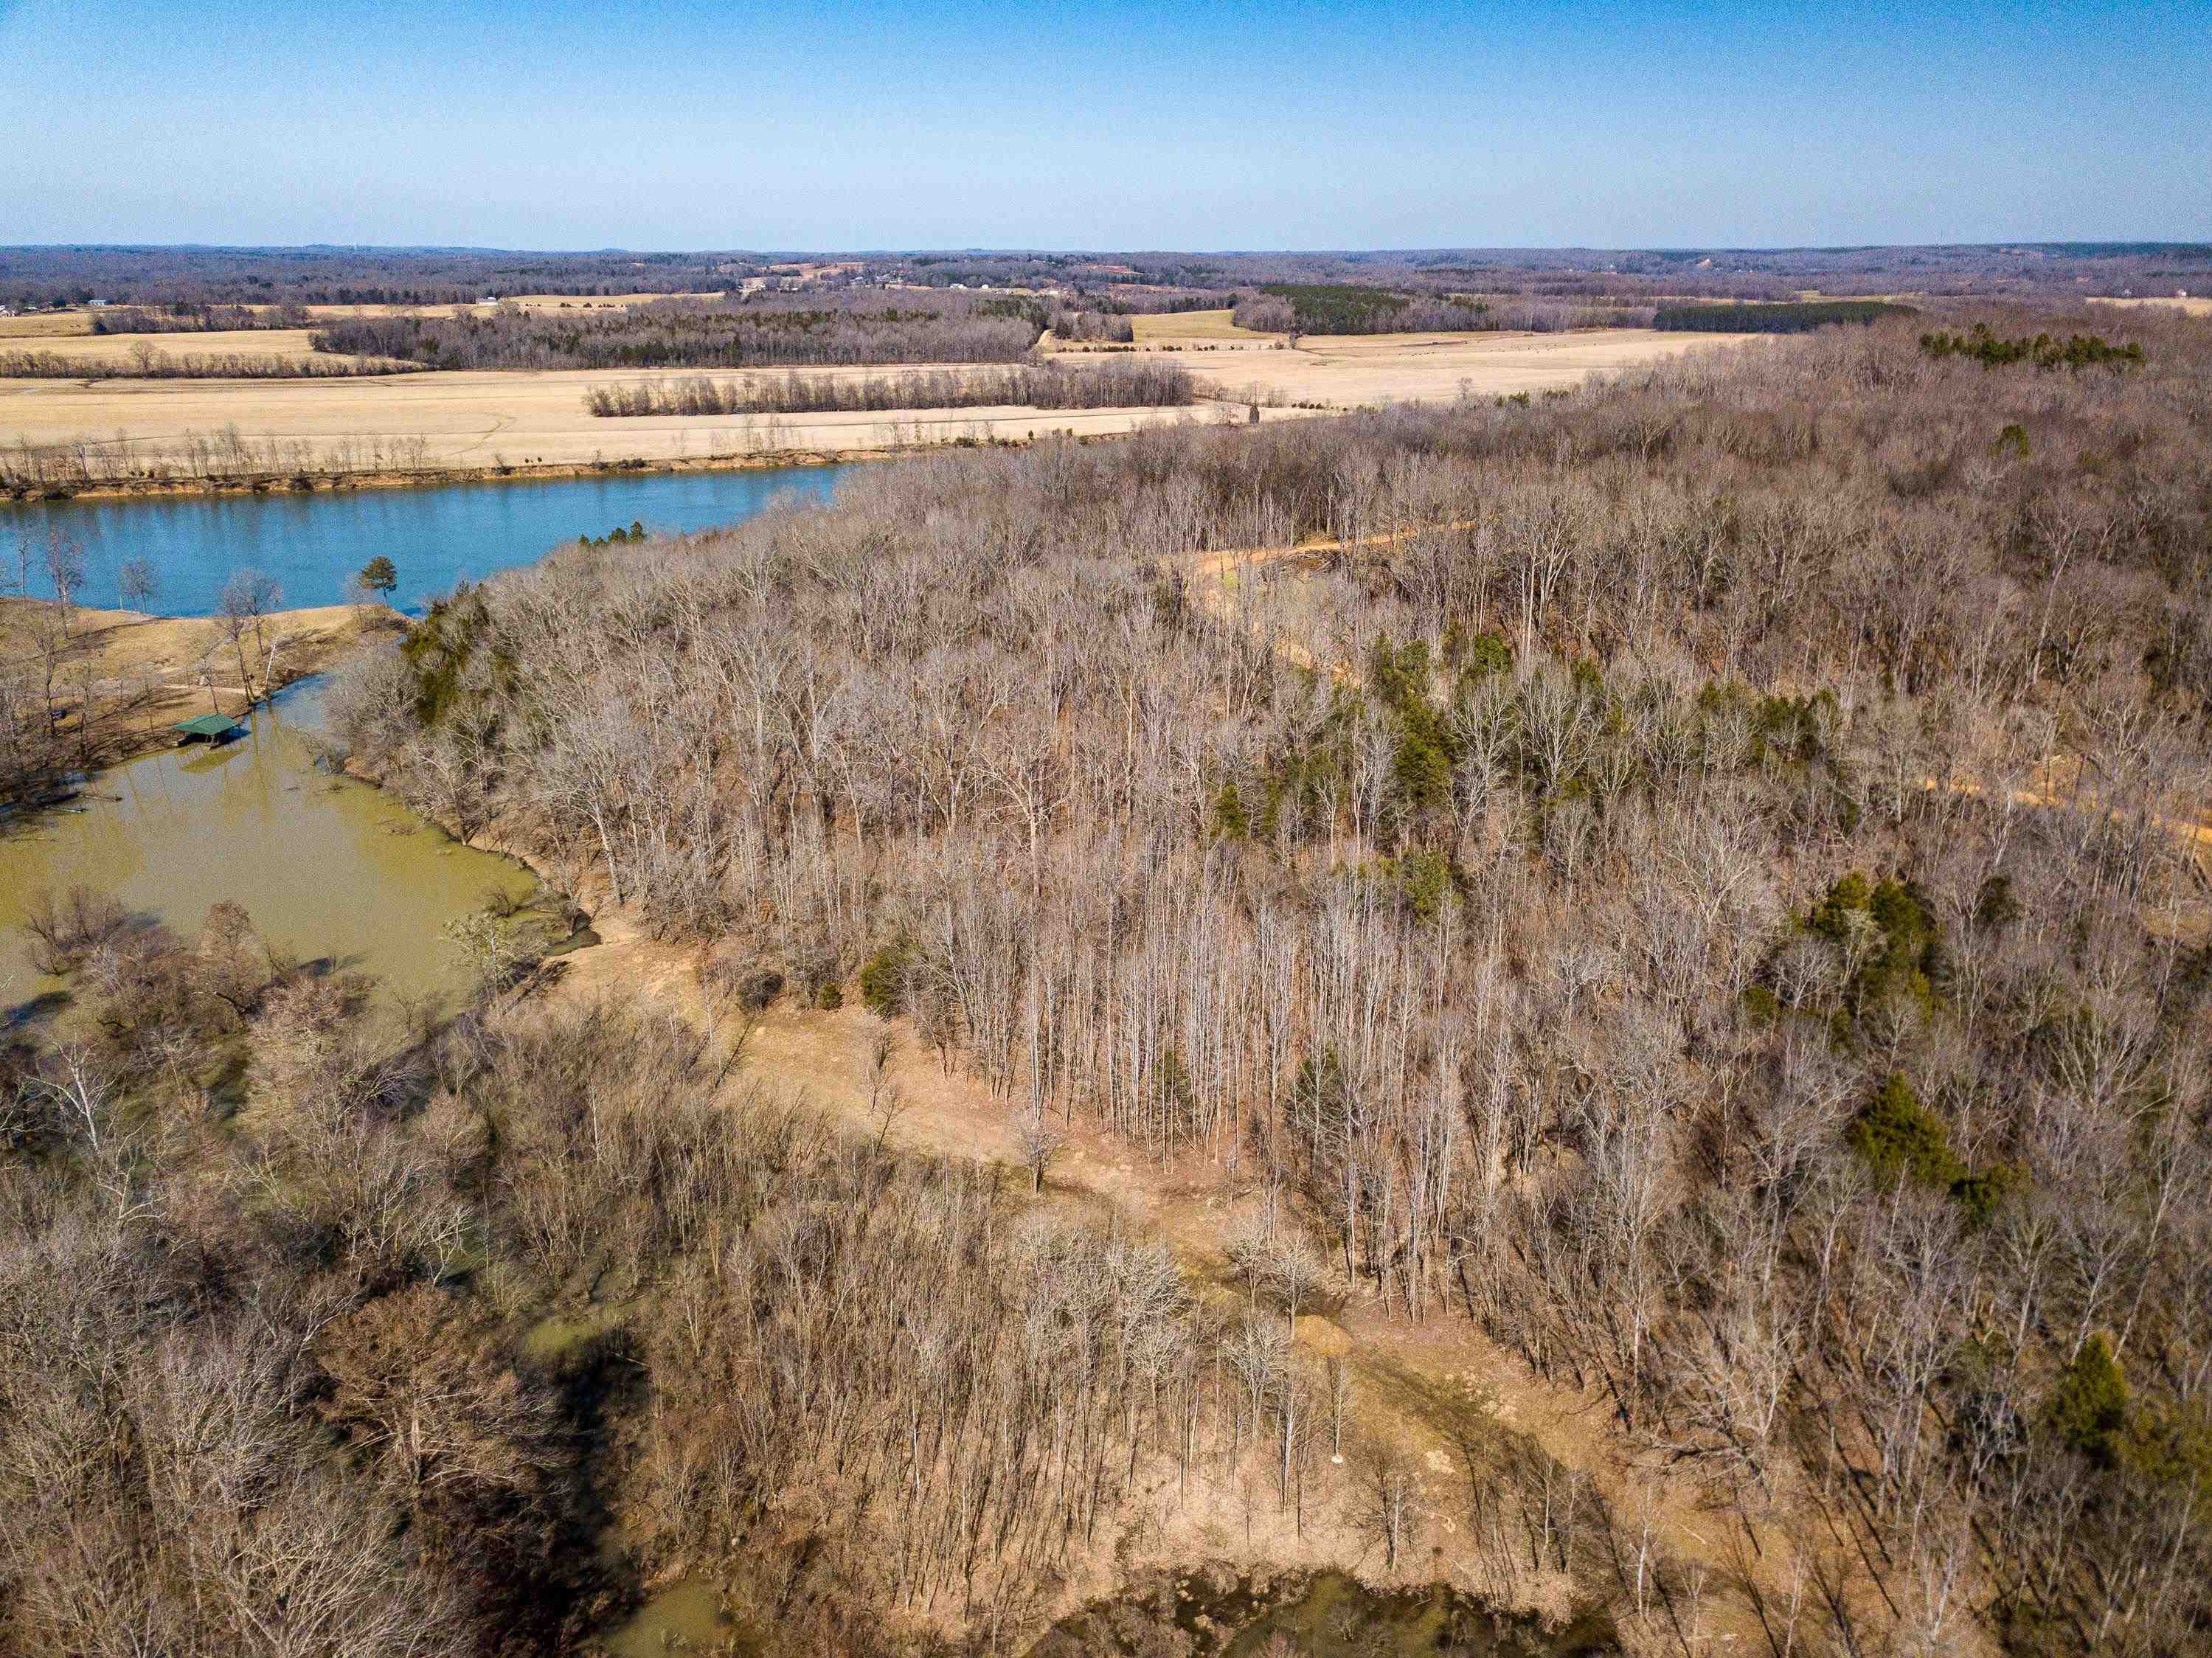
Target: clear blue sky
(666, 123)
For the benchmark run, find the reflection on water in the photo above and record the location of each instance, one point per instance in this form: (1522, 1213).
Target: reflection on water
(325, 865)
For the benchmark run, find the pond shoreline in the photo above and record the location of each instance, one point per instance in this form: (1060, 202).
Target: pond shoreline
(304, 483)
(438, 531)
(325, 865)
(142, 669)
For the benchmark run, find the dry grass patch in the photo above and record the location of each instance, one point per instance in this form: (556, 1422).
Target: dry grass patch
(1170, 328)
(46, 325)
(495, 423)
(2190, 305)
(290, 344)
(492, 420)
(1351, 371)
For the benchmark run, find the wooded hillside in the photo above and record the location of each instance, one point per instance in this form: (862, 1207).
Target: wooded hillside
(1698, 883)
(1702, 880)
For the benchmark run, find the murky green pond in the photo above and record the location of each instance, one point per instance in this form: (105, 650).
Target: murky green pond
(685, 1618)
(326, 867)
(1312, 1614)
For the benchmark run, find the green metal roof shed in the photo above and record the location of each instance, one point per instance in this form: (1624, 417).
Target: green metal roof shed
(212, 726)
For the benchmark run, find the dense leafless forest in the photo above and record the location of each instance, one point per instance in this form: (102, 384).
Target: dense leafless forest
(1040, 385)
(1155, 280)
(1353, 308)
(261, 1291)
(257, 1392)
(185, 317)
(1699, 879)
(765, 331)
(1102, 326)
(194, 277)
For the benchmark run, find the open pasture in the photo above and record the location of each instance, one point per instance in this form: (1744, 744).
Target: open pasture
(1351, 371)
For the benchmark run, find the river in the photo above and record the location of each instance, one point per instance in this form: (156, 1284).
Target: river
(313, 543)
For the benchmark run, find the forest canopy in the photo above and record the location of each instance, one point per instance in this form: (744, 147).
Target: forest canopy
(1796, 318)
(1694, 880)
(1687, 895)
(761, 331)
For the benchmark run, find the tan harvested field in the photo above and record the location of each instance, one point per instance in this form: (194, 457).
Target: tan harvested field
(486, 421)
(2194, 305)
(288, 343)
(1357, 370)
(44, 324)
(77, 322)
(1200, 330)
(1208, 327)
(595, 302)
(1803, 294)
(353, 312)
(527, 302)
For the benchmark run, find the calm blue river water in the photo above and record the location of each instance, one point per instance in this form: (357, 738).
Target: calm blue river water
(313, 543)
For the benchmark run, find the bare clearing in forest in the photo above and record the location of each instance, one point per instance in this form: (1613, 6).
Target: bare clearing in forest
(1350, 371)
(2190, 305)
(1208, 327)
(144, 673)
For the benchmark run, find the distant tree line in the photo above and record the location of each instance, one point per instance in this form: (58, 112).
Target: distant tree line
(1141, 281)
(1341, 308)
(186, 317)
(148, 362)
(1126, 384)
(330, 276)
(1100, 326)
(1797, 317)
(764, 332)
(227, 457)
(1337, 308)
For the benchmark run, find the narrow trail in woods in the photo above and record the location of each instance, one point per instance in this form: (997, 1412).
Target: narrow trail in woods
(1430, 1390)
(1420, 1386)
